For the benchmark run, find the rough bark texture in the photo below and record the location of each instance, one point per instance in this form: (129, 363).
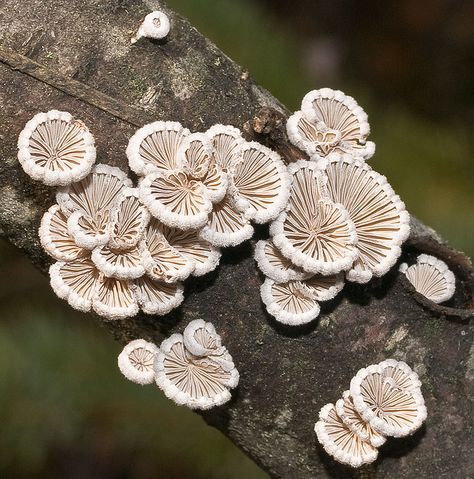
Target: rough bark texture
(76, 56)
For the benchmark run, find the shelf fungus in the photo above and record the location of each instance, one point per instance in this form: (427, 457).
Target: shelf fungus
(340, 442)
(314, 232)
(431, 277)
(388, 397)
(136, 361)
(379, 216)
(199, 381)
(330, 121)
(56, 149)
(156, 25)
(297, 302)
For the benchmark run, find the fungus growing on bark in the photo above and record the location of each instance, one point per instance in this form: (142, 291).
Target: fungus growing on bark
(330, 121)
(378, 214)
(340, 442)
(156, 25)
(156, 297)
(197, 381)
(136, 361)
(314, 232)
(388, 397)
(56, 149)
(431, 277)
(227, 142)
(297, 302)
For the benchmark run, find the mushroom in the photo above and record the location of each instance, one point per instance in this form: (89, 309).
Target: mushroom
(378, 214)
(156, 297)
(351, 418)
(297, 302)
(156, 25)
(275, 266)
(330, 121)
(90, 202)
(136, 361)
(227, 142)
(199, 382)
(431, 277)
(56, 149)
(340, 442)
(388, 398)
(314, 232)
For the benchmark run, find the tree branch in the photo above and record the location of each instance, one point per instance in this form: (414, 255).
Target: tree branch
(79, 59)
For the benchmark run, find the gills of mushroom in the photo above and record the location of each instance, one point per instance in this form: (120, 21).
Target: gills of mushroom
(378, 214)
(90, 202)
(431, 277)
(136, 361)
(330, 121)
(314, 232)
(340, 442)
(157, 297)
(56, 149)
(388, 397)
(227, 142)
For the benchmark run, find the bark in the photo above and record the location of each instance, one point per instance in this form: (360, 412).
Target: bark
(76, 56)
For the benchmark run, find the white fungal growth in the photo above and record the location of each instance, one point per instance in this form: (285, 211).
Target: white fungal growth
(136, 361)
(155, 25)
(227, 142)
(115, 299)
(340, 442)
(56, 149)
(156, 297)
(431, 277)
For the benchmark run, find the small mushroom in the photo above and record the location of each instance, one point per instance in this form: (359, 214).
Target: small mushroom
(227, 142)
(201, 339)
(330, 121)
(56, 149)
(340, 442)
(136, 361)
(314, 232)
(156, 297)
(378, 214)
(115, 299)
(388, 398)
(431, 277)
(156, 25)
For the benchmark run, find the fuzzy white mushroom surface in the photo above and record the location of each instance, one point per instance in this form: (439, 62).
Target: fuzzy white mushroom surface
(156, 25)
(56, 149)
(136, 361)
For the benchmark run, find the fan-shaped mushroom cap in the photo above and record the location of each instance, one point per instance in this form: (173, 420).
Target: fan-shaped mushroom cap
(176, 199)
(55, 237)
(120, 264)
(163, 262)
(297, 302)
(378, 214)
(154, 147)
(115, 299)
(197, 382)
(388, 397)
(155, 25)
(315, 233)
(200, 339)
(274, 265)
(260, 184)
(195, 154)
(431, 277)
(340, 442)
(189, 244)
(90, 202)
(136, 361)
(330, 121)
(156, 297)
(227, 142)
(351, 418)
(226, 226)
(56, 149)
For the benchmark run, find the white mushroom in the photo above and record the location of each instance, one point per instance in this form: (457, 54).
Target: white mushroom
(330, 121)
(136, 361)
(115, 299)
(431, 277)
(388, 397)
(56, 149)
(378, 214)
(125, 264)
(340, 442)
(227, 142)
(314, 232)
(156, 297)
(156, 25)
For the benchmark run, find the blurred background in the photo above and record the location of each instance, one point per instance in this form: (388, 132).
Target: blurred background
(408, 63)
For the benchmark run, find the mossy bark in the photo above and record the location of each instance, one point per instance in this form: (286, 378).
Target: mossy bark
(76, 55)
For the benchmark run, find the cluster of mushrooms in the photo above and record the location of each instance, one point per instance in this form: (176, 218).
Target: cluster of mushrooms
(193, 369)
(383, 400)
(120, 248)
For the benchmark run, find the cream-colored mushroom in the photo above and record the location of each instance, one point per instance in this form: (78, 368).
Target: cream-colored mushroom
(156, 25)
(136, 361)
